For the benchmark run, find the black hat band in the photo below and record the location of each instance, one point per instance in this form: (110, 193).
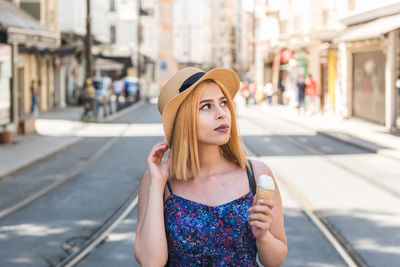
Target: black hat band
(190, 81)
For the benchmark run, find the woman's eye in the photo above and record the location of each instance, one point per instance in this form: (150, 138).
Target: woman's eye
(206, 106)
(224, 103)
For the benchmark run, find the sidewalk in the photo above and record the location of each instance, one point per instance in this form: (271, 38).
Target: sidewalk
(361, 133)
(55, 131)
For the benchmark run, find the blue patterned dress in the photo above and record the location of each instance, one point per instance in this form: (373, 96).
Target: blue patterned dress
(201, 235)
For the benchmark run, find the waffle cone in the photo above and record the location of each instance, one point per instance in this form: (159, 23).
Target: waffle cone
(264, 193)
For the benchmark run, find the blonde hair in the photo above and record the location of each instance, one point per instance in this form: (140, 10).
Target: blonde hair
(185, 162)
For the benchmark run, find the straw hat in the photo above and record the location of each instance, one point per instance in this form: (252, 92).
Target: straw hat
(182, 83)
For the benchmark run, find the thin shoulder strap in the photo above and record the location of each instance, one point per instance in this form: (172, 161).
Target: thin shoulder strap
(250, 176)
(169, 187)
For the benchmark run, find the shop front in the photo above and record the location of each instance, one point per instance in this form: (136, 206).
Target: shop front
(369, 86)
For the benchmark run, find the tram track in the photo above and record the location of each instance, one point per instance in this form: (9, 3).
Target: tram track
(102, 232)
(343, 248)
(70, 175)
(315, 152)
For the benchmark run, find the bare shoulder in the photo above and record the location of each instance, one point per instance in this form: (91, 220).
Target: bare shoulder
(260, 168)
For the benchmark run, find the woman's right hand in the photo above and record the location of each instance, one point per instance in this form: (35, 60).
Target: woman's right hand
(159, 171)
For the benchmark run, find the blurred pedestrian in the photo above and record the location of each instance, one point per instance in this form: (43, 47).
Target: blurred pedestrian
(268, 92)
(311, 95)
(198, 208)
(89, 98)
(34, 97)
(253, 91)
(281, 90)
(301, 90)
(118, 90)
(245, 92)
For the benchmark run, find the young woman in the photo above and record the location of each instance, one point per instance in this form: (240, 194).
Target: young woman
(198, 209)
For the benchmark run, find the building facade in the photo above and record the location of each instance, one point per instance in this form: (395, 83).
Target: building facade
(31, 44)
(368, 60)
(306, 30)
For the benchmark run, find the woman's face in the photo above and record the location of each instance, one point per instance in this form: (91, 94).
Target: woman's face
(214, 121)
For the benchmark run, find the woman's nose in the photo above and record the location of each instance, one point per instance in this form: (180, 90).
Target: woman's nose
(221, 113)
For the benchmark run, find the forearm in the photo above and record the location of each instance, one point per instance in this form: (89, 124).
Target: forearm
(151, 236)
(271, 251)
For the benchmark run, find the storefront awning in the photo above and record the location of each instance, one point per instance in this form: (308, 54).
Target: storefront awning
(369, 30)
(21, 28)
(102, 64)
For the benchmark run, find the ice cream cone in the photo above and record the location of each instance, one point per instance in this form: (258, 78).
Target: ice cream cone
(264, 193)
(265, 187)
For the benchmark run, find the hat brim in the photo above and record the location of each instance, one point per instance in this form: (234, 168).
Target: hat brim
(226, 77)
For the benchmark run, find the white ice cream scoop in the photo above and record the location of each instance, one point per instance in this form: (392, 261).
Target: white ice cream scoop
(265, 187)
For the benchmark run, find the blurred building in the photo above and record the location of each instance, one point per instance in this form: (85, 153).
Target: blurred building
(368, 62)
(192, 33)
(156, 46)
(114, 29)
(352, 49)
(204, 33)
(119, 47)
(165, 63)
(306, 29)
(222, 33)
(28, 37)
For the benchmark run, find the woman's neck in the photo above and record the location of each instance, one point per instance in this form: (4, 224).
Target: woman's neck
(211, 161)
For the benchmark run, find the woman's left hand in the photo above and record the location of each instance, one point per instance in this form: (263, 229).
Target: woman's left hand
(260, 218)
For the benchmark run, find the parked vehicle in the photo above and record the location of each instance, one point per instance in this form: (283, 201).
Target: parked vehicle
(103, 89)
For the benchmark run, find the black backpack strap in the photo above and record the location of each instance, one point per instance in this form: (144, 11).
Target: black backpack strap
(252, 180)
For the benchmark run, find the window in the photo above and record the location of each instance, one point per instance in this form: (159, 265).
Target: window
(113, 34)
(112, 5)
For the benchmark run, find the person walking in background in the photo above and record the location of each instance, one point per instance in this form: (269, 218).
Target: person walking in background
(198, 208)
(245, 92)
(118, 90)
(253, 91)
(34, 97)
(301, 89)
(311, 95)
(89, 99)
(268, 93)
(281, 90)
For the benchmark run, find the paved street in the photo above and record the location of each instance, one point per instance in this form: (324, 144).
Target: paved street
(355, 191)
(46, 230)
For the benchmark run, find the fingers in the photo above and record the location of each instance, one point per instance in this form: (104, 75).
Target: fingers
(261, 209)
(259, 224)
(157, 153)
(266, 202)
(259, 217)
(262, 213)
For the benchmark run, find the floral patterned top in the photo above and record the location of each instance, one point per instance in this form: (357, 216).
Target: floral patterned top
(201, 235)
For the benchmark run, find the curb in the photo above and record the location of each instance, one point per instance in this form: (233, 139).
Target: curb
(112, 118)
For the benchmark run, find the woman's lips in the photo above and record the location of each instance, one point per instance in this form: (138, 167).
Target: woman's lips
(222, 128)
